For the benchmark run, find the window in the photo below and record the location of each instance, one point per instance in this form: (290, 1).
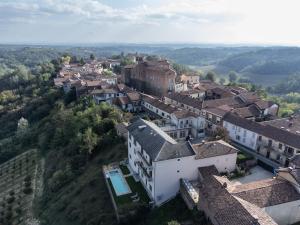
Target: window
(182, 134)
(150, 187)
(278, 157)
(270, 143)
(129, 144)
(280, 146)
(260, 138)
(129, 156)
(163, 114)
(178, 159)
(245, 133)
(244, 140)
(237, 137)
(178, 171)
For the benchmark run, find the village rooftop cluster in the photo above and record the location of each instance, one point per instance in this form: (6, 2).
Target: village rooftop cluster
(187, 134)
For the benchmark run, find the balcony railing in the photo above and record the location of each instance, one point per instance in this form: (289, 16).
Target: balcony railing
(145, 171)
(149, 166)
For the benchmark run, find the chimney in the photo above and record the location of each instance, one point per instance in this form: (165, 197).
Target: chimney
(224, 185)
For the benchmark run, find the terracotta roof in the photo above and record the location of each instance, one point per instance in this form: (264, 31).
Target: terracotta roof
(180, 114)
(221, 91)
(184, 99)
(262, 104)
(291, 124)
(207, 171)
(158, 104)
(212, 149)
(123, 100)
(247, 112)
(191, 91)
(134, 96)
(230, 101)
(249, 97)
(224, 207)
(217, 111)
(267, 192)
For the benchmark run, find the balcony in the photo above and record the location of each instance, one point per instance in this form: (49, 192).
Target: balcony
(149, 166)
(145, 171)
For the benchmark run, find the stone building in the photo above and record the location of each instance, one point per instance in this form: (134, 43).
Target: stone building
(151, 77)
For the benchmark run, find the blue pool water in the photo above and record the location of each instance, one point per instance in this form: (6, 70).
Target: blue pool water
(119, 183)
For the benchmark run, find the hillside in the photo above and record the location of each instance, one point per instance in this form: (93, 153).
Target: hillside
(73, 139)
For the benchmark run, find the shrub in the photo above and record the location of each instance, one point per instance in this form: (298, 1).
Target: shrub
(27, 190)
(11, 199)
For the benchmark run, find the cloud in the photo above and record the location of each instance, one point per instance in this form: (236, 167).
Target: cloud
(150, 20)
(93, 10)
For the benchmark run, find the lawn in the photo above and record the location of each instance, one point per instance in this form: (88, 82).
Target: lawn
(124, 169)
(243, 157)
(174, 210)
(136, 187)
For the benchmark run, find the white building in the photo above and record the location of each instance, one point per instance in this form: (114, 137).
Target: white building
(157, 107)
(277, 144)
(160, 161)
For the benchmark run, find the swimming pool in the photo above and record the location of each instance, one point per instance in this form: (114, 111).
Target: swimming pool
(119, 183)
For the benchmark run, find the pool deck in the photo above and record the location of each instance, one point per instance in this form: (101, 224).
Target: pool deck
(105, 170)
(108, 176)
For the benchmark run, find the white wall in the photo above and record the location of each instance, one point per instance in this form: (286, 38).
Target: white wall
(247, 137)
(155, 110)
(132, 153)
(285, 214)
(167, 178)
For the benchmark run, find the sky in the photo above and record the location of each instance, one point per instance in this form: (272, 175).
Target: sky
(274, 22)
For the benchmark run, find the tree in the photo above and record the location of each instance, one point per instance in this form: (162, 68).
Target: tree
(66, 59)
(74, 59)
(90, 140)
(81, 61)
(222, 80)
(221, 134)
(232, 76)
(211, 76)
(92, 56)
